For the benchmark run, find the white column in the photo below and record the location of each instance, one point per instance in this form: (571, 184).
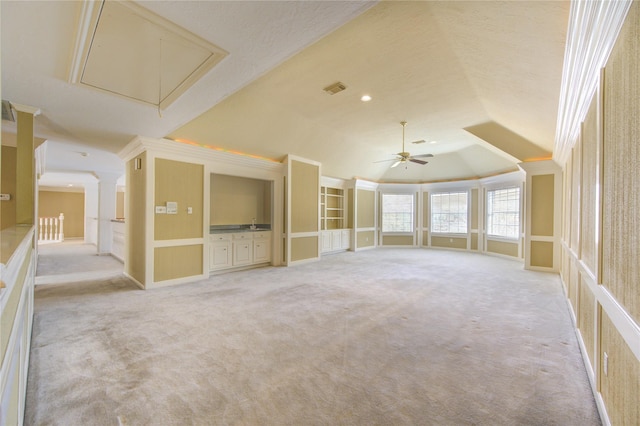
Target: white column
(106, 210)
(91, 213)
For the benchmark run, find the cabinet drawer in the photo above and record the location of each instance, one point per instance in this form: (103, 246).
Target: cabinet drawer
(219, 237)
(261, 235)
(239, 236)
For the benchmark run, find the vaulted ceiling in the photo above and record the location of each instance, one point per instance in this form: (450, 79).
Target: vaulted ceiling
(479, 81)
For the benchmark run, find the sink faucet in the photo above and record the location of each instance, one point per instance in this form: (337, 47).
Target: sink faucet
(253, 223)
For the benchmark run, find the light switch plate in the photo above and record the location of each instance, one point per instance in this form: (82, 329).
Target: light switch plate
(5, 197)
(161, 210)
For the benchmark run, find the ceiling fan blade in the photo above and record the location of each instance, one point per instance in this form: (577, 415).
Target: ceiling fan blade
(419, 142)
(384, 161)
(422, 156)
(413, 160)
(396, 164)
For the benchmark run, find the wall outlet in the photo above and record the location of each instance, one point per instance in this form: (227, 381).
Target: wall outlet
(189, 210)
(605, 364)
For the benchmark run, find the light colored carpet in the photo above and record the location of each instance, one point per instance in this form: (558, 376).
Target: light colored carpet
(74, 261)
(381, 337)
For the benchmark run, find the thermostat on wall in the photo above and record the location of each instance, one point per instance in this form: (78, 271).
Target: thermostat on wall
(172, 207)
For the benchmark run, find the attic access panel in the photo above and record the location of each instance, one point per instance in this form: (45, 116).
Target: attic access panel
(129, 51)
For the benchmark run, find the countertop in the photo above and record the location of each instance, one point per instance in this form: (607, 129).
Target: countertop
(228, 229)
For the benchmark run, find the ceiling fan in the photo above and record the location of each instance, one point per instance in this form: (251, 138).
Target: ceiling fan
(404, 157)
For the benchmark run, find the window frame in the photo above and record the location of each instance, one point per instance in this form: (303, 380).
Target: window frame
(498, 237)
(467, 213)
(414, 213)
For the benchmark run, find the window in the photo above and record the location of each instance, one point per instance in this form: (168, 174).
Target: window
(449, 212)
(397, 213)
(503, 212)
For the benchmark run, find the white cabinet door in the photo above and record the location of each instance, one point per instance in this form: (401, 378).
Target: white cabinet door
(335, 240)
(261, 250)
(345, 239)
(220, 255)
(242, 253)
(326, 241)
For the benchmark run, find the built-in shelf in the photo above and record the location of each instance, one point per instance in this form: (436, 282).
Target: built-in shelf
(332, 208)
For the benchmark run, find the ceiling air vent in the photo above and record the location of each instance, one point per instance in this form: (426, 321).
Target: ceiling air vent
(335, 88)
(7, 112)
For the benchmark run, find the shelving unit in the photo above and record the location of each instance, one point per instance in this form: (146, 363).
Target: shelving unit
(332, 208)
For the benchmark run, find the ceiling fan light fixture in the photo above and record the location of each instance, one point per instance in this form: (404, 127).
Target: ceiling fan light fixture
(404, 156)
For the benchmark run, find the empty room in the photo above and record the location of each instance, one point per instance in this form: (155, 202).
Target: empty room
(320, 212)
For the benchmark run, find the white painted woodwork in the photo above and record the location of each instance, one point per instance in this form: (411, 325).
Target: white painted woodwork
(239, 249)
(51, 229)
(336, 240)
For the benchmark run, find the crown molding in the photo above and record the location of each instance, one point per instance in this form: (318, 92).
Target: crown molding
(593, 29)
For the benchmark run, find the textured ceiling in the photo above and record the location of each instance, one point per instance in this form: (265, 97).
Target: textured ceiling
(482, 78)
(442, 66)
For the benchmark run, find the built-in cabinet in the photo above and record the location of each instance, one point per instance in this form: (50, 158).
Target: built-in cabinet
(239, 249)
(261, 247)
(118, 239)
(336, 240)
(220, 251)
(335, 237)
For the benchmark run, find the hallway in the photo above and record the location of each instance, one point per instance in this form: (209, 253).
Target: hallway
(73, 261)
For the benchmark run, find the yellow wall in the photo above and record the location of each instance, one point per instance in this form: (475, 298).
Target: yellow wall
(8, 186)
(397, 240)
(542, 254)
(474, 208)
(474, 241)
(136, 219)
(426, 219)
(177, 262)
(305, 197)
(25, 176)
(350, 208)
(236, 200)
(474, 219)
(609, 260)
(449, 242)
(52, 203)
(366, 209)
(119, 205)
(542, 197)
(183, 183)
(365, 239)
(620, 387)
(8, 315)
(304, 248)
(621, 168)
(502, 247)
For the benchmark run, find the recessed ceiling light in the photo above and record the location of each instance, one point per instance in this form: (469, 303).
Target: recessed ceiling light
(365, 98)
(432, 142)
(70, 185)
